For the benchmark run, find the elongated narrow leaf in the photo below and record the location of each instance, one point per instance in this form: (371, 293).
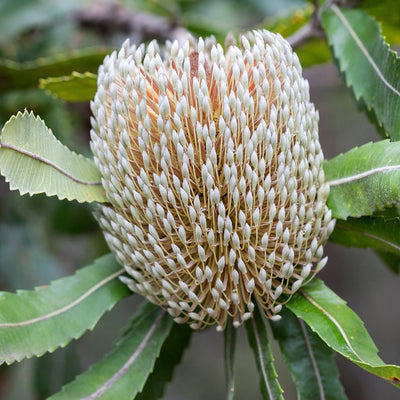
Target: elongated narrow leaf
(370, 68)
(15, 75)
(37, 321)
(364, 179)
(375, 232)
(74, 87)
(309, 359)
(124, 371)
(171, 354)
(340, 328)
(258, 339)
(230, 347)
(34, 161)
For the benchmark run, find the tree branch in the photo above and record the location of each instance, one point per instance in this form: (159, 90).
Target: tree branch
(311, 30)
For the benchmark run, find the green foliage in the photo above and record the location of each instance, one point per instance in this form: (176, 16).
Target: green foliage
(259, 343)
(171, 354)
(387, 12)
(74, 87)
(26, 75)
(340, 328)
(22, 15)
(310, 361)
(123, 372)
(364, 180)
(34, 322)
(34, 161)
(370, 68)
(377, 232)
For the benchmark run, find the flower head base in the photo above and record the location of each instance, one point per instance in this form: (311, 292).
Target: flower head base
(213, 169)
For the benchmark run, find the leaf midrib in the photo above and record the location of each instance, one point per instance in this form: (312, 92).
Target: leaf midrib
(64, 309)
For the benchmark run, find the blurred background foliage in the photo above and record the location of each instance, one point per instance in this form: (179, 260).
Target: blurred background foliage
(43, 238)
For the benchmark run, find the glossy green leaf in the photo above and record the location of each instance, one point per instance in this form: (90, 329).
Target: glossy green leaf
(34, 161)
(364, 179)
(25, 75)
(33, 322)
(171, 354)
(375, 232)
(259, 343)
(74, 87)
(124, 371)
(340, 328)
(370, 68)
(229, 353)
(309, 359)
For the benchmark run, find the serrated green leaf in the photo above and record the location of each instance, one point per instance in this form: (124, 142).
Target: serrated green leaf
(25, 75)
(340, 328)
(258, 339)
(364, 179)
(171, 354)
(33, 322)
(74, 87)
(124, 371)
(370, 68)
(309, 359)
(229, 353)
(376, 232)
(34, 161)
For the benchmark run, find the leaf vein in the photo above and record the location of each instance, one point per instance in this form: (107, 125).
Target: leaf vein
(370, 235)
(362, 175)
(313, 361)
(342, 332)
(123, 370)
(65, 308)
(363, 48)
(50, 163)
(260, 356)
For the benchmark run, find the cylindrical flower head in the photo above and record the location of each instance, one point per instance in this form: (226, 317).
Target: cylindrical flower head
(212, 167)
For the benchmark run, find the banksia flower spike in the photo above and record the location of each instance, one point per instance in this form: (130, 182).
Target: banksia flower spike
(212, 166)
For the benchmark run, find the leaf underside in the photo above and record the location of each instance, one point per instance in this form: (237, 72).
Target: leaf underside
(171, 354)
(25, 75)
(124, 371)
(371, 69)
(376, 232)
(364, 179)
(340, 328)
(259, 343)
(33, 322)
(34, 161)
(309, 359)
(74, 87)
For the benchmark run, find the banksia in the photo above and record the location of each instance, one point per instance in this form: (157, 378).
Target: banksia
(212, 166)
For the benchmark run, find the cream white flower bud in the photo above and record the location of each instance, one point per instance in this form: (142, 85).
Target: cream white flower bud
(213, 171)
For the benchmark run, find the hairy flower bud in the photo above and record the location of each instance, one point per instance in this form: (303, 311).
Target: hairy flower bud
(212, 166)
